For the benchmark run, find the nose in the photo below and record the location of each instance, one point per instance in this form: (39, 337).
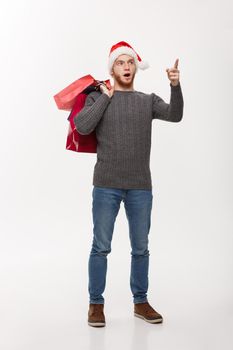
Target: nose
(126, 68)
(126, 65)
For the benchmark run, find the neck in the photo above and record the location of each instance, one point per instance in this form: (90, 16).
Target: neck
(118, 87)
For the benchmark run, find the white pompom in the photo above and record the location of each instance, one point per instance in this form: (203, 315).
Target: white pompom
(143, 65)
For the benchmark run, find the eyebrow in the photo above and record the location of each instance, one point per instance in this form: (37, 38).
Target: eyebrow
(131, 59)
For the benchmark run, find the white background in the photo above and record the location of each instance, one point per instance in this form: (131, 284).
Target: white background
(45, 208)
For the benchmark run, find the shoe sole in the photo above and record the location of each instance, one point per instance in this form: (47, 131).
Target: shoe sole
(96, 324)
(157, 320)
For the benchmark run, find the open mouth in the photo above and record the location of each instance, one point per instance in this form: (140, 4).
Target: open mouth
(127, 75)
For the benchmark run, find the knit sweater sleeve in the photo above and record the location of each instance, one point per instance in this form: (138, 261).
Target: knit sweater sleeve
(87, 119)
(173, 111)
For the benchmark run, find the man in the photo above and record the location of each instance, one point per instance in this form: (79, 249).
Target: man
(122, 119)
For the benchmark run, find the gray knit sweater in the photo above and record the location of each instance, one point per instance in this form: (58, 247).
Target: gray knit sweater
(123, 130)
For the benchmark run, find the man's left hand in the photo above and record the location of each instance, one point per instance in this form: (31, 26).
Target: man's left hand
(174, 73)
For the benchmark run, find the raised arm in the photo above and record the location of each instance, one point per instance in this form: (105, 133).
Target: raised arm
(173, 111)
(87, 119)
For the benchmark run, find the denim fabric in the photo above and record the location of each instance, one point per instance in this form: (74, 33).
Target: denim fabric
(105, 207)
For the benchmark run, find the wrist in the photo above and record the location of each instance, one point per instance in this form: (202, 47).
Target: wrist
(174, 83)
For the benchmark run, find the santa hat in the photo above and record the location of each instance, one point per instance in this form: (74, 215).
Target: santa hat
(123, 48)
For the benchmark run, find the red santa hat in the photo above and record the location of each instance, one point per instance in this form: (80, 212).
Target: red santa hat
(123, 48)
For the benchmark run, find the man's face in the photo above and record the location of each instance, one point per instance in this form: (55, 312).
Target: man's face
(124, 65)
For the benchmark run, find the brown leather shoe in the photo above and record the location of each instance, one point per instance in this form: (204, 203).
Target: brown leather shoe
(96, 316)
(146, 312)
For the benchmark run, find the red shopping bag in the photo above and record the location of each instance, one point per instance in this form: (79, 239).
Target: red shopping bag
(65, 98)
(73, 98)
(75, 141)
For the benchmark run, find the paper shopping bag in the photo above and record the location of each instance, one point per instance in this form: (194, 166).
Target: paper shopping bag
(65, 98)
(76, 141)
(73, 98)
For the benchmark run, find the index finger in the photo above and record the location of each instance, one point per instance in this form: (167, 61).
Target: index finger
(176, 63)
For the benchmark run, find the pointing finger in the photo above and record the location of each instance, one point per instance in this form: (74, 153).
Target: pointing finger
(176, 63)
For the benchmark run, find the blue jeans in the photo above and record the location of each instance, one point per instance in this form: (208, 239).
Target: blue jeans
(105, 207)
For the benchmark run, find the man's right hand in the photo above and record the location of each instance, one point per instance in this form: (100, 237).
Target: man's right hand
(104, 89)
